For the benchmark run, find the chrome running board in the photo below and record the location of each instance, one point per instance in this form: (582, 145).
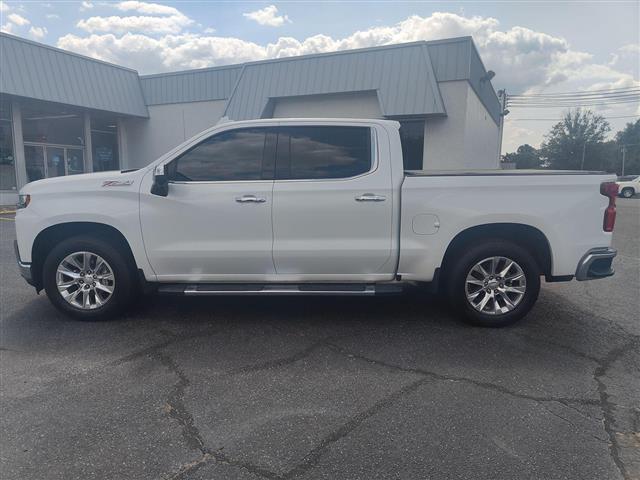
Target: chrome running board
(204, 289)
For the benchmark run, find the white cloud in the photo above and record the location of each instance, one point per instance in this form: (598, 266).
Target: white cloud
(52, 16)
(86, 5)
(152, 25)
(157, 19)
(38, 32)
(268, 16)
(524, 60)
(148, 8)
(4, 7)
(18, 20)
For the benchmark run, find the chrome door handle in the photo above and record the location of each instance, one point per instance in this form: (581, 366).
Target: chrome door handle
(370, 197)
(250, 199)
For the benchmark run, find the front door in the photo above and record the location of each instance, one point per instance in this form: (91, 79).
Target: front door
(215, 223)
(333, 205)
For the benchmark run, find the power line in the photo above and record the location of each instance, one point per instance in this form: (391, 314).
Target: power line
(577, 99)
(559, 119)
(569, 105)
(578, 93)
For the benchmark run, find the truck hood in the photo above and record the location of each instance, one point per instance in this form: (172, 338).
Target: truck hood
(83, 182)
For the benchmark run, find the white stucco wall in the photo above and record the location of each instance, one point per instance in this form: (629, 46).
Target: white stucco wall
(466, 138)
(166, 127)
(341, 105)
(481, 135)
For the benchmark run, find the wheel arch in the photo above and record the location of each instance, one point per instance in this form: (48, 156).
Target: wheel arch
(527, 236)
(51, 236)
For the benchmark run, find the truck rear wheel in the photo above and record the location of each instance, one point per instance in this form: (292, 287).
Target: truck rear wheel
(87, 278)
(494, 284)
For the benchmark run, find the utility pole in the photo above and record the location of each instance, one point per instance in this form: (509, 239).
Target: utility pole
(624, 153)
(584, 150)
(502, 97)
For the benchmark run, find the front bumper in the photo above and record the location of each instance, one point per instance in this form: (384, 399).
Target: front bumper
(25, 268)
(596, 263)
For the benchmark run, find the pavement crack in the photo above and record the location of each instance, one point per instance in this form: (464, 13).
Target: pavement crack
(144, 352)
(577, 427)
(191, 467)
(311, 459)
(453, 378)
(567, 348)
(608, 407)
(280, 362)
(176, 408)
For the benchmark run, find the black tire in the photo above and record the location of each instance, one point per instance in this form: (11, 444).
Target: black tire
(457, 276)
(627, 192)
(124, 288)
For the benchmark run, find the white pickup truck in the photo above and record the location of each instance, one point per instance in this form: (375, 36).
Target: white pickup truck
(311, 207)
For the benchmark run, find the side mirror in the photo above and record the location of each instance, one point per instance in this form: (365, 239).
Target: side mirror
(160, 185)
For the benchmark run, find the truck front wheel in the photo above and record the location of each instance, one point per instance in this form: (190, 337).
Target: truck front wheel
(494, 284)
(87, 278)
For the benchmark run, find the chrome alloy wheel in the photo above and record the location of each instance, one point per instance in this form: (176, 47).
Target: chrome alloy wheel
(495, 285)
(85, 280)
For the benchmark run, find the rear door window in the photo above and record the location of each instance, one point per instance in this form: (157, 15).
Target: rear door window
(323, 152)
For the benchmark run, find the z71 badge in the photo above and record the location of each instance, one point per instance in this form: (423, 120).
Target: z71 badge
(117, 183)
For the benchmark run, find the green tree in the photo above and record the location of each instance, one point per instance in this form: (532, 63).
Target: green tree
(525, 156)
(578, 135)
(629, 138)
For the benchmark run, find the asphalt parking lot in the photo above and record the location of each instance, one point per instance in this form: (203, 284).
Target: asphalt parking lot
(325, 388)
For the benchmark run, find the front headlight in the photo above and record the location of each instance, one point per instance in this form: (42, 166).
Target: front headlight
(23, 201)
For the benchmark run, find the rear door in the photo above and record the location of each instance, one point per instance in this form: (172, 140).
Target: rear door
(332, 205)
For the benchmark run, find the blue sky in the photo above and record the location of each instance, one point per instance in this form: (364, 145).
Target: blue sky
(533, 47)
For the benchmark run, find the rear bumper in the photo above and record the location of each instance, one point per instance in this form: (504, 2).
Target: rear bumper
(596, 263)
(25, 268)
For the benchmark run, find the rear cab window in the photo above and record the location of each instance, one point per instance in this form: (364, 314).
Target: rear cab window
(323, 152)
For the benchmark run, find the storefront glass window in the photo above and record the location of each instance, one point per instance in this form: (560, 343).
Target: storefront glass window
(7, 158)
(104, 143)
(55, 125)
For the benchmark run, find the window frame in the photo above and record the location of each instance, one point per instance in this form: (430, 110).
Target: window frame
(268, 129)
(373, 133)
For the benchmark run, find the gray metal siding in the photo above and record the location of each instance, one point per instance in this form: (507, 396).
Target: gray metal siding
(32, 70)
(402, 76)
(190, 86)
(450, 60)
(458, 59)
(484, 90)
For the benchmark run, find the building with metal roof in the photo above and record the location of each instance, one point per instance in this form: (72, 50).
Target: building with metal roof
(64, 113)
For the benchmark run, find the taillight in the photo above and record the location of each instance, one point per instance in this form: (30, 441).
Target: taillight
(609, 190)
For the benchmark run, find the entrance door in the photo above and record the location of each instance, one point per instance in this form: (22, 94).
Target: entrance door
(47, 161)
(55, 162)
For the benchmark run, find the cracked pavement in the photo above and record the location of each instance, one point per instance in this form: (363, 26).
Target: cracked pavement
(325, 388)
